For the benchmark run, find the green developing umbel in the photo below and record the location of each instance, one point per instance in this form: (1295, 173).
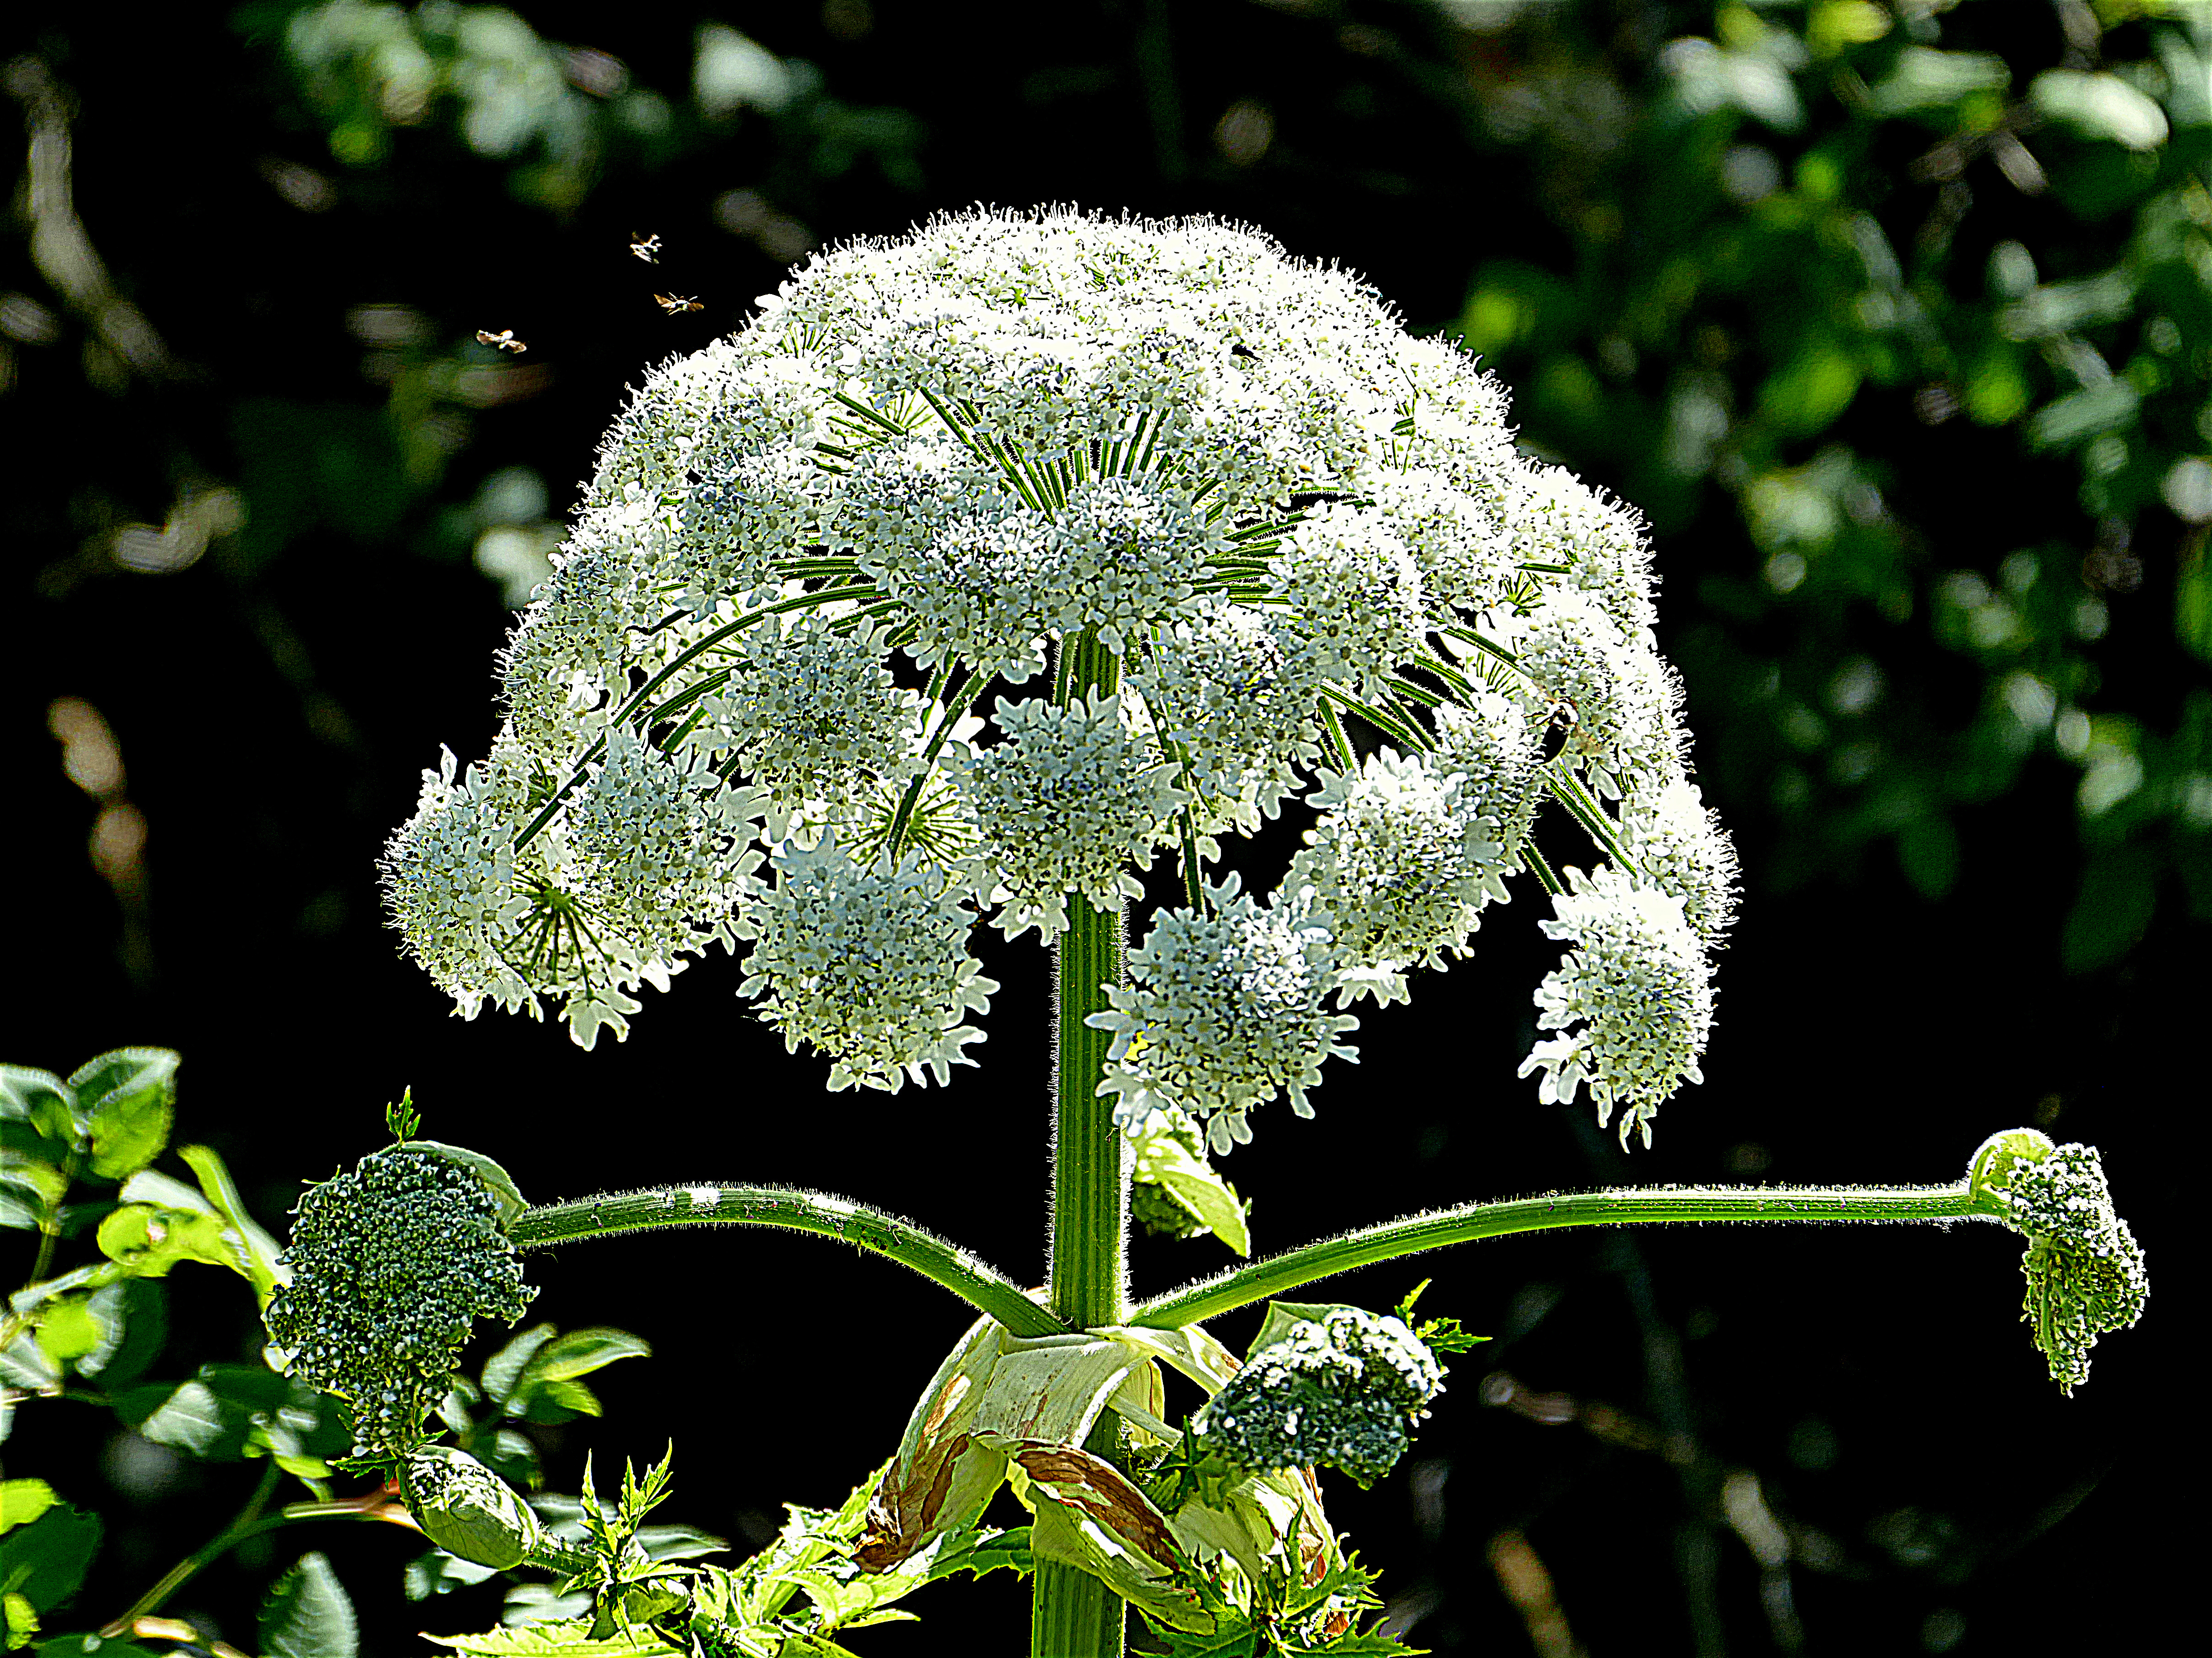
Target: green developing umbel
(392, 1265)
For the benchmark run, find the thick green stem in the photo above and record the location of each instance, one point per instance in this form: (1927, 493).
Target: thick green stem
(1073, 1614)
(1615, 1206)
(713, 1204)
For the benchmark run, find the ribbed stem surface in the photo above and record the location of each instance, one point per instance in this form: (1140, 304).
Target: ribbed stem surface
(1071, 1613)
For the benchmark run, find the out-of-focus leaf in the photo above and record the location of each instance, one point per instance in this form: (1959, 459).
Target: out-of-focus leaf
(126, 1101)
(570, 1639)
(45, 1560)
(2118, 892)
(149, 1240)
(69, 1329)
(256, 1250)
(308, 1615)
(22, 1501)
(439, 1573)
(134, 1317)
(505, 1367)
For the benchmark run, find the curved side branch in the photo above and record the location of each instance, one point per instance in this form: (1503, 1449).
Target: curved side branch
(979, 1285)
(1615, 1206)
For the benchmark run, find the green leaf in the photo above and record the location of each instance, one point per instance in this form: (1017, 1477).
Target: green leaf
(307, 1614)
(22, 1501)
(228, 1411)
(256, 1250)
(21, 1619)
(135, 1315)
(2120, 891)
(126, 1100)
(45, 1560)
(40, 1099)
(547, 1392)
(439, 1573)
(69, 1329)
(149, 1240)
(1166, 1160)
(29, 1187)
(570, 1639)
(504, 1368)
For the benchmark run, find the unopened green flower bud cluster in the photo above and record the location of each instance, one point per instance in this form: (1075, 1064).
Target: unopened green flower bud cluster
(1343, 1391)
(392, 1265)
(805, 651)
(2086, 1274)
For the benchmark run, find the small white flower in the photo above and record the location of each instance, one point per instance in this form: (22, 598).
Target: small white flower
(1638, 983)
(1462, 558)
(1123, 555)
(1399, 866)
(1068, 801)
(1558, 519)
(1222, 1011)
(868, 966)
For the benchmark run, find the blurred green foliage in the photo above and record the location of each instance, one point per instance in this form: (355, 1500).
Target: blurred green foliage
(1802, 238)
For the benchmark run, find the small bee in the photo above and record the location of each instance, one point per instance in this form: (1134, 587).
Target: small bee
(675, 305)
(646, 247)
(504, 339)
(1558, 727)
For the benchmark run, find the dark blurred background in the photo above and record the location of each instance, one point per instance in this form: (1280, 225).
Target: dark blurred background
(1895, 318)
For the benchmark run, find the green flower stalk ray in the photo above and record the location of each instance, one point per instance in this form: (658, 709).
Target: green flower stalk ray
(1172, 532)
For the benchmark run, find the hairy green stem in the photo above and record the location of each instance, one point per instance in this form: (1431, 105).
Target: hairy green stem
(713, 1204)
(1613, 1206)
(1073, 1614)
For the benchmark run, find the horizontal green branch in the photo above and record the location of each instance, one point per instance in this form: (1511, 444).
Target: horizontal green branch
(1615, 1206)
(981, 1286)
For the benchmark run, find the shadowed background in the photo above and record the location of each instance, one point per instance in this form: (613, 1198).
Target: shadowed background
(1896, 320)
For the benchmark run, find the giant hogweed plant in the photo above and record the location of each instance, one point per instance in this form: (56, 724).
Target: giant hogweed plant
(981, 571)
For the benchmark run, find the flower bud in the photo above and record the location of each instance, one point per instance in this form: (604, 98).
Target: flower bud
(467, 1509)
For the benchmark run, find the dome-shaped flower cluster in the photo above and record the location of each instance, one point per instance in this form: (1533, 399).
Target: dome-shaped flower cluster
(392, 1263)
(1341, 1390)
(1285, 533)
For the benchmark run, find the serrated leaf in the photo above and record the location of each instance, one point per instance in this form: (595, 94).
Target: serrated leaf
(307, 1614)
(127, 1102)
(45, 1560)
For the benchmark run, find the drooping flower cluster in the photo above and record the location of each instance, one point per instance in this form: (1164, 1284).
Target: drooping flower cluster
(1237, 535)
(1637, 985)
(2086, 1273)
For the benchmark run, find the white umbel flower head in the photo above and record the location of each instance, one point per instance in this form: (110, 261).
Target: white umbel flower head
(1490, 742)
(1350, 579)
(1637, 983)
(1239, 693)
(1223, 1011)
(1399, 866)
(1615, 689)
(1679, 847)
(870, 966)
(1066, 803)
(1161, 456)
(812, 713)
